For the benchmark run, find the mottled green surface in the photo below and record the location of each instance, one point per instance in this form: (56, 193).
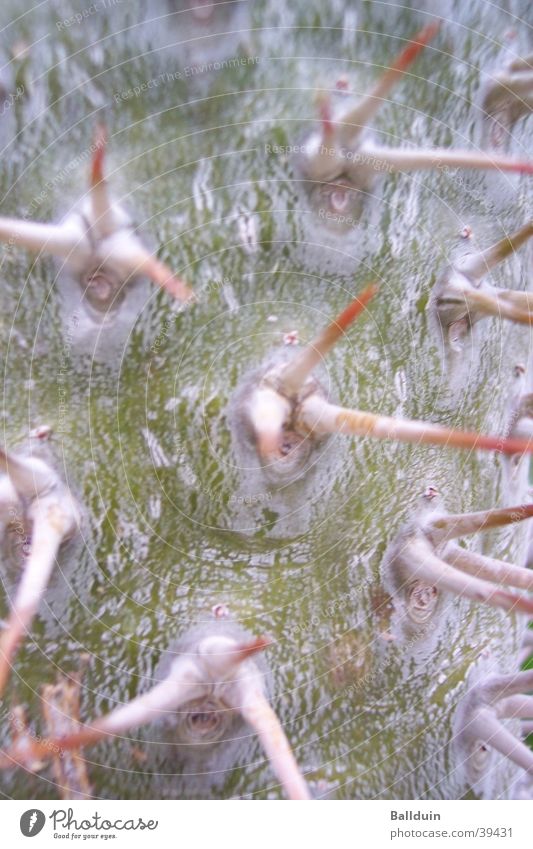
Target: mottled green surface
(167, 529)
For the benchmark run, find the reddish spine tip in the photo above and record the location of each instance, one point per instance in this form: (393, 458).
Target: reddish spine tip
(254, 646)
(524, 510)
(357, 306)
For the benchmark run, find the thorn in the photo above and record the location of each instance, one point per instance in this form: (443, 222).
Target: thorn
(220, 611)
(415, 46)
(97, 165)
(324, 110)
(247, 650)
(42, 432)
(342, 84)
(291, 338)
